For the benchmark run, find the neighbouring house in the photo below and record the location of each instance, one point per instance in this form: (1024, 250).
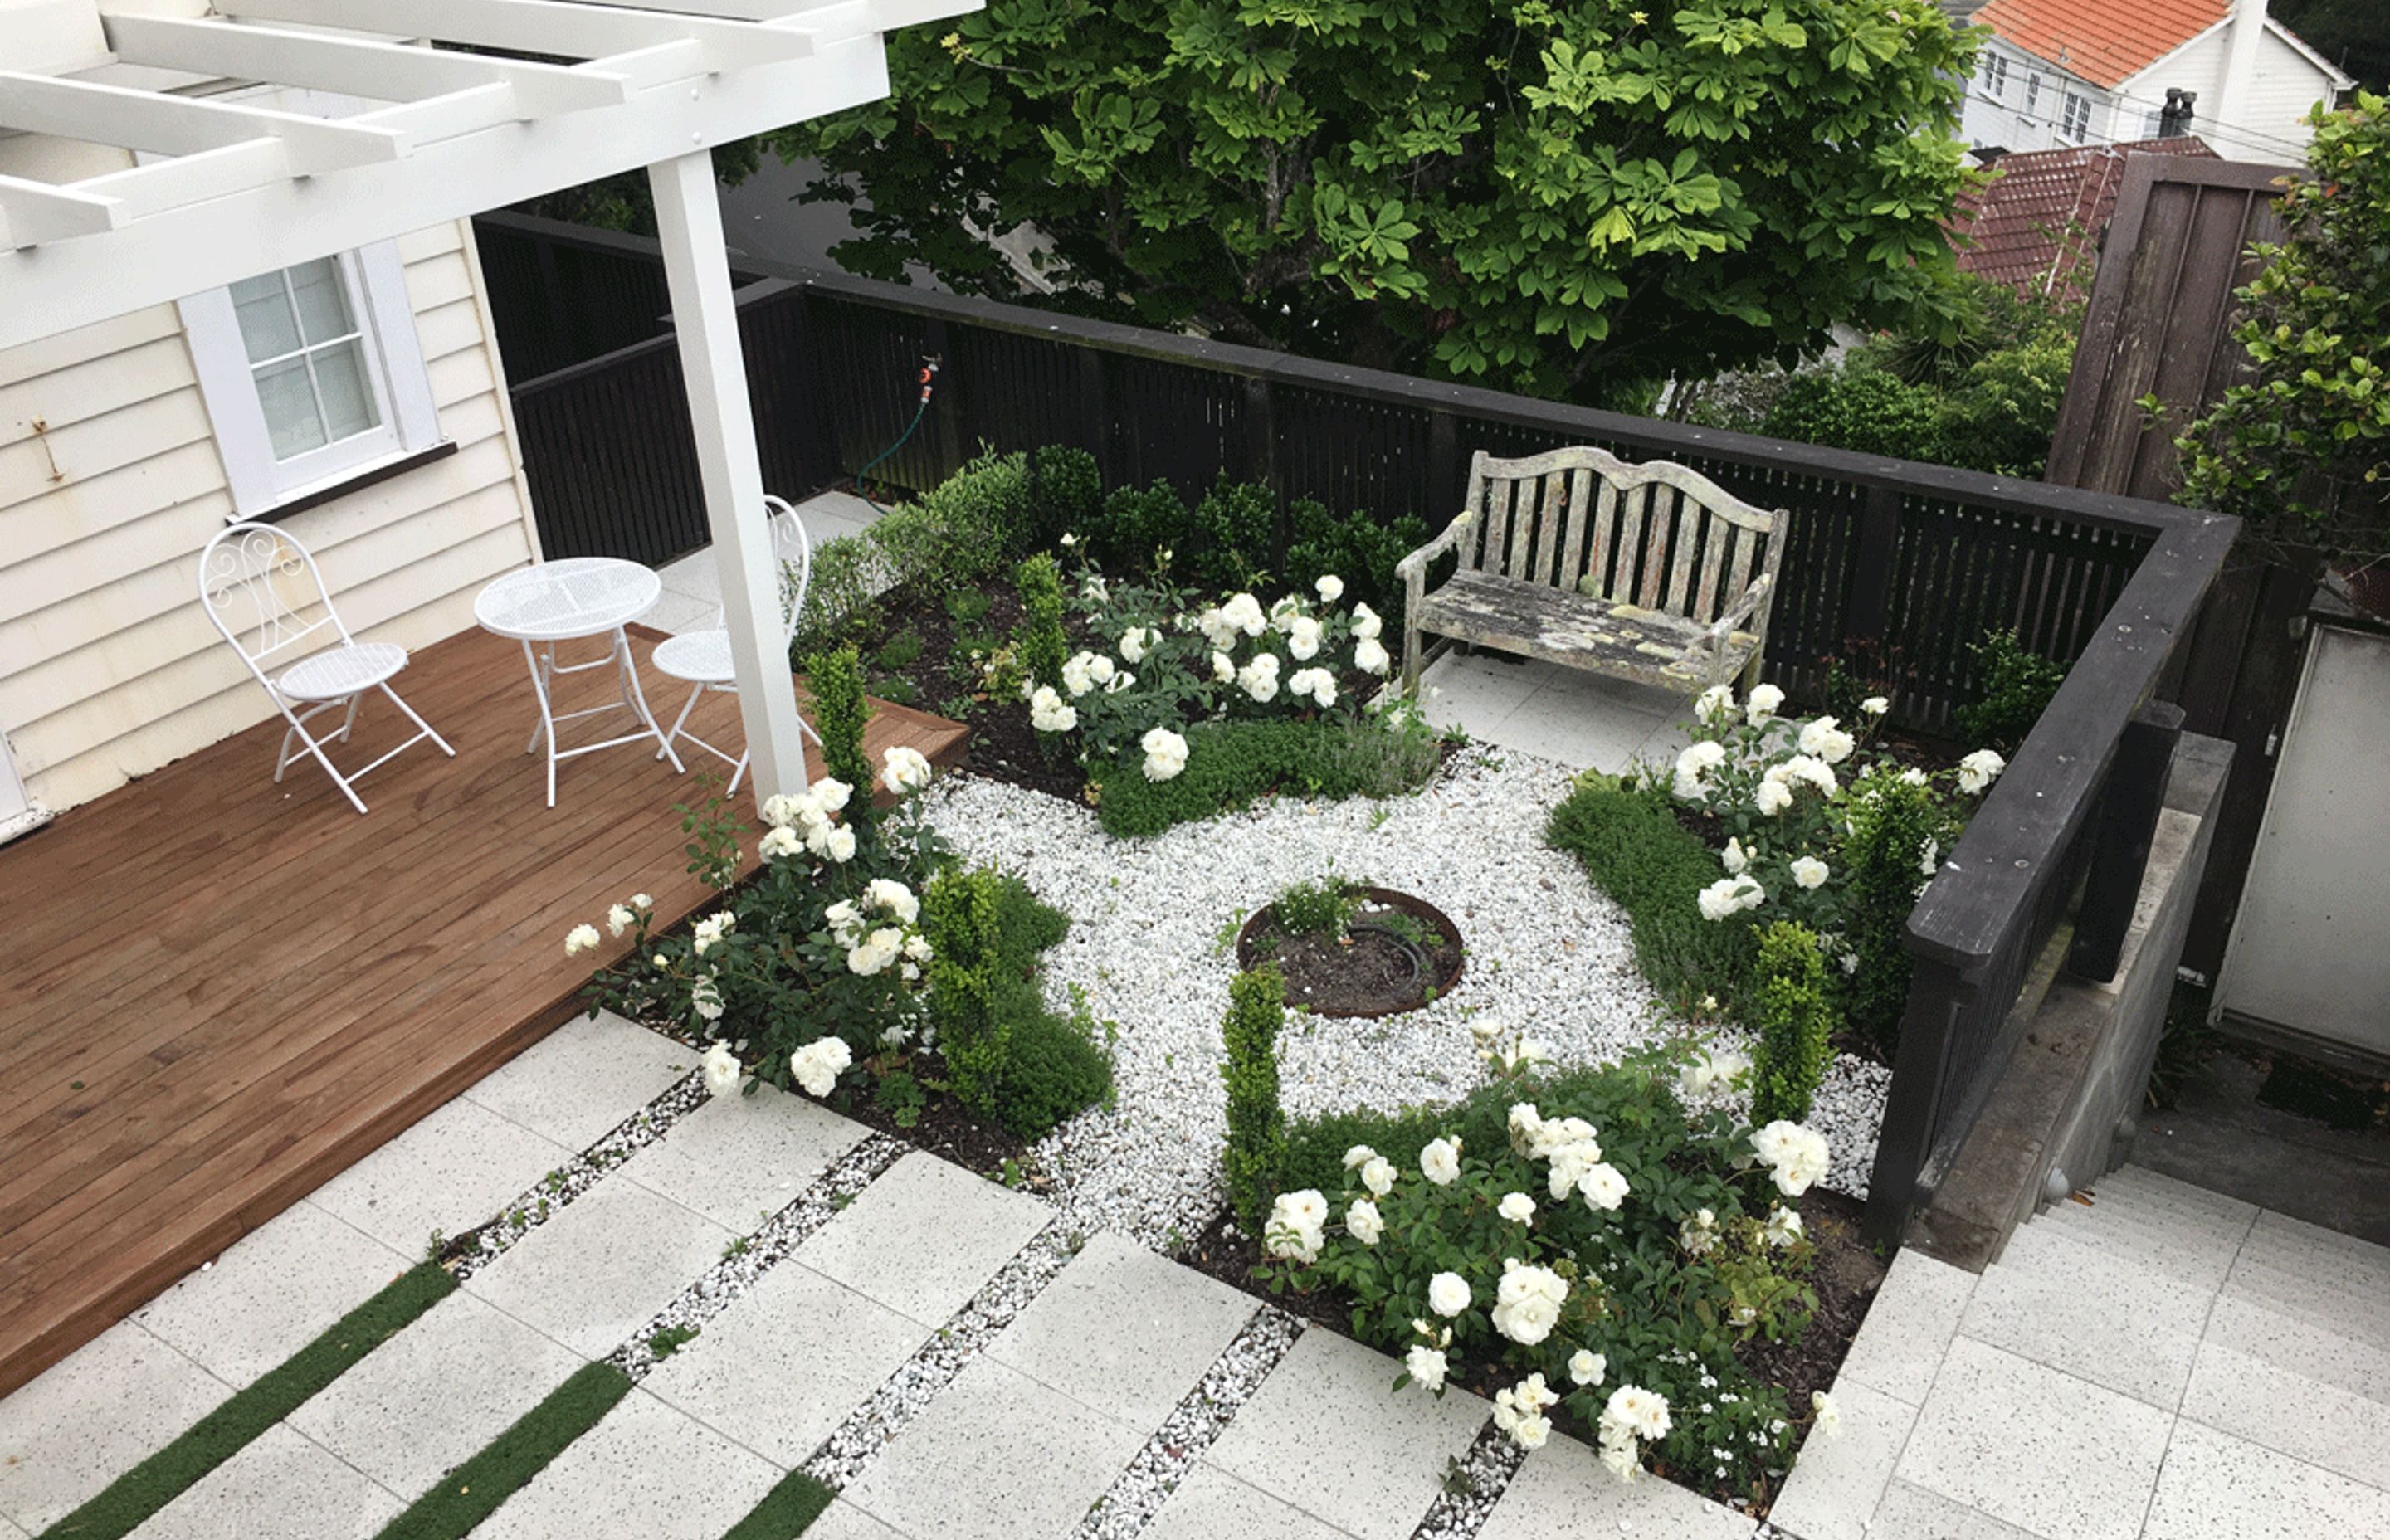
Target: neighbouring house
(2053, 74)
(356, 399)
(2044, 211)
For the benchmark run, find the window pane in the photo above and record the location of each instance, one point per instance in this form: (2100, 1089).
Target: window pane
(289, 402)
(348, 399)
(323, 300)
(267, 328)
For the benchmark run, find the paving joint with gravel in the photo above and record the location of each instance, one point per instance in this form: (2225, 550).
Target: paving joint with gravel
(858, 1442)
(1130, 1503)
(557, 1190)
(756, 1254)
(1474, 1486)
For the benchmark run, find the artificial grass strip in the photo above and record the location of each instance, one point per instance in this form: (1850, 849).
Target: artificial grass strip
(129, 1500)
(473, 1492)
(787, 1511)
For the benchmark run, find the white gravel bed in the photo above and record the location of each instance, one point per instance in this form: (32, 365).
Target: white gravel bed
(753, 1255)
(1152, 945)
(1486, 1473)
(1138, 1495)
(556, 1190)
(868, 1429)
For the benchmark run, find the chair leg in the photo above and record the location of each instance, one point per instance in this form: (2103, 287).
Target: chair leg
(1410, 662)
(349, 720)
(326, 761)
(736, 775)
(425, 726)
(682, 721)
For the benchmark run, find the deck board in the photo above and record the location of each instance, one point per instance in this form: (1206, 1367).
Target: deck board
(221, 993)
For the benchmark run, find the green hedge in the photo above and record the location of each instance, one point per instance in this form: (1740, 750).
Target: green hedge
(1633, 848)
(1229, 764)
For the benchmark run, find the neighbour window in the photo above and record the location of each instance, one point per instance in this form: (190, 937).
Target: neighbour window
(2032, 93)
(2075, 119)
(1995, 74)
(312, 374)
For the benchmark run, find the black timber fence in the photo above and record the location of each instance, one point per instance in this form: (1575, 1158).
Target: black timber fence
(1894, 563)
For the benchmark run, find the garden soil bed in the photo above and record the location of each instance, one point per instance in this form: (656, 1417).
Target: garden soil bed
(1847, 1273)
(1370, 970)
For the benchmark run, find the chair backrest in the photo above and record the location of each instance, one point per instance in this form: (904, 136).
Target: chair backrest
(1658, 535)
(264, 593)
(793, 548)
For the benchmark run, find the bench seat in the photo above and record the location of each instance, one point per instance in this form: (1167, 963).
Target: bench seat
(1598, 635)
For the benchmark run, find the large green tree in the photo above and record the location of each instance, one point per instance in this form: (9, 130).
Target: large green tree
(1569, 198)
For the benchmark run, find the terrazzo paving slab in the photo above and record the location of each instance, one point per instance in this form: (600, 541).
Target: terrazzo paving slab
(2307, 1420)
(1912, 1513)
(1212, 1505)
(456, 1169)
(923, 1238)
(1123, 1331)
(738, 1160)
(93, 1415)
(2034, 1448)
(843, 1520)
(995, 1457)
(1326, 1434)
(272, 1294)
(781, 1368)
(280, 1487)
(2218, 1487)
(2092, 1312)
(577, 1083)
(1563, 1492)
(644, 1472)
(2297, 1345)
(1908, 1327)
(2196, 1252)
(431, 1396)
(1839, 1481)
(601, 1269)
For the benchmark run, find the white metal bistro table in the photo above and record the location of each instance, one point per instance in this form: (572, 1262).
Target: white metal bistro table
(567, 600)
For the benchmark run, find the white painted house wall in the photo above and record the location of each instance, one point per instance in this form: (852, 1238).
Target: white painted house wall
(111, 480)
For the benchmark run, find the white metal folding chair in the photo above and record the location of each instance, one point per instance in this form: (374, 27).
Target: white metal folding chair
(263, 590)
(702, 659)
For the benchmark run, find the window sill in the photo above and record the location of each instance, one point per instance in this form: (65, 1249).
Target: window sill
(354, 479)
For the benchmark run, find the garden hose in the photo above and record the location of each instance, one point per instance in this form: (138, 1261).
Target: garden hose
(928, 383)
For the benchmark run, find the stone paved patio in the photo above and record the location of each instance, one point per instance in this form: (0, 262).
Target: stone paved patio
(2166, 1364)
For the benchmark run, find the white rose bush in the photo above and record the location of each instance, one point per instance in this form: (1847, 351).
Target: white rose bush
(1596, 1261)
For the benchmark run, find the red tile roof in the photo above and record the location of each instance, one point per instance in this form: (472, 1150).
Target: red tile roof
(2106, 42)
(2044, 208)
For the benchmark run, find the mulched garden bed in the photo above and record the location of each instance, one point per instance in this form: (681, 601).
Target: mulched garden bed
(1398, 953)
(1845, 1273)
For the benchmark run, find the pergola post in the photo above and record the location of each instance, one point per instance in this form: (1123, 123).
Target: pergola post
(697, 267)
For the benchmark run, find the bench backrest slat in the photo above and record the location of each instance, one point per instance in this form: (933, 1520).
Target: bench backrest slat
(1659, 535)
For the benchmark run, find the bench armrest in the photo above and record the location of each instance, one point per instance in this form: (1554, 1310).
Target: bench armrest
(1744, 607)
(1413, 567)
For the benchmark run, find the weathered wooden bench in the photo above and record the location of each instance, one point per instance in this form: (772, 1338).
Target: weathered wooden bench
(1650, 571)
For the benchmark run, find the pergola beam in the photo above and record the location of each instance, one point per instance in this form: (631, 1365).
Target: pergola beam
(41, 210)
(184, 125)
(369, 67)
(555, 27)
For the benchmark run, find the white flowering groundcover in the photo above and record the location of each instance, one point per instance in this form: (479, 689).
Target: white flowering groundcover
(1151, 948)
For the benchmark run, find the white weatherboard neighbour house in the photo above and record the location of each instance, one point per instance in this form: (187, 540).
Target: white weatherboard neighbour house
(182, 184)
(2056, 73)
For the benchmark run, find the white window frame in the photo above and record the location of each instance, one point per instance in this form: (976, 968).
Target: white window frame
(395, 372)
(1996, 73)
(2074, 116)
(2032, 93)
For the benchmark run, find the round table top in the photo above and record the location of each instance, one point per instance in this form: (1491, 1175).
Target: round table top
(579, 596)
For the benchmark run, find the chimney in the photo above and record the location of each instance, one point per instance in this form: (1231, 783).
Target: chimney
(2233, 99)
(2174, 119)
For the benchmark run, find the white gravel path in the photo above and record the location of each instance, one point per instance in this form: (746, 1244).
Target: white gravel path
(1151, 940)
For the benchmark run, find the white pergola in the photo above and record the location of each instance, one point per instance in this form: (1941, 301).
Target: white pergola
(227, 190)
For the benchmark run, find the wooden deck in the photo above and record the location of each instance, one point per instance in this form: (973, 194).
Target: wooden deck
(220, 993)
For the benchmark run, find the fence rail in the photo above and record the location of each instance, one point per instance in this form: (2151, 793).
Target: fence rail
(1899, 563)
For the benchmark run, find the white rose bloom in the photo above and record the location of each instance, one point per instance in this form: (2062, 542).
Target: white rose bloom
(1730, 895)
(1077, 676)
(1620, 1457)
(1827, 1417)
(1527, 1303)
(1363, 1222)
(1331, 588)
(1913, 776)
(1796, 1156)
(831, 794)
(917, 948)
(1224, 668)
(1133, 643)
(887, 894)
(1714, 705)
(1243, 612)
(780, 843)
(1875, 705)
(876, 951)
(1358, 1156)
(1370, 657)
(705, 998)
(641, 901)
(1426, 1366)
(1602, 1187)
(1367, 623)
(1762, 703)
(619, 919)
(1516, 1207)
(1440, 1161)
(579, 939)
(839, 844)
(1526, 1125)
(1588, 1368)
(1259, 678)
(1694, 767)
(1978, 771)
(1532, 1430)
(1825, 739)
(780, 810)
(1773, 797)
(1810, 872)
(1165, 754)
(1049, 714)
(1378, 1175)
(1296, 1225)
(1218, 629)
(845, 922)
(1448, 1294)
(1638, 1411)
(1303, 638)
(818, 1064)
(723, 1072)
(1734, 859)
(1783, 1226)
(903, 770)
(1101, 667)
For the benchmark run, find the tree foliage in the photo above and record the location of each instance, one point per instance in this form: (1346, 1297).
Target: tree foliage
(1569, 198)
(2302, 449)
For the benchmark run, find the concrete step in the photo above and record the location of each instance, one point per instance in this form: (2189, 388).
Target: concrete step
(2197, 1251)
(2145, 1191)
